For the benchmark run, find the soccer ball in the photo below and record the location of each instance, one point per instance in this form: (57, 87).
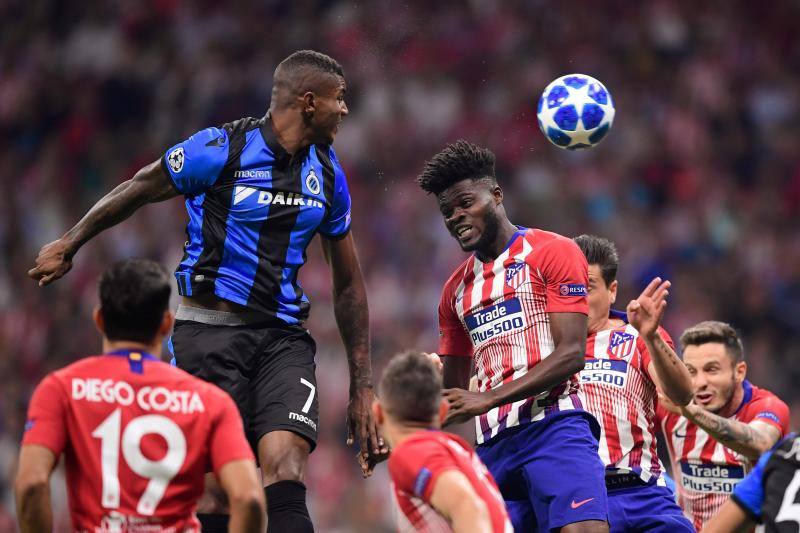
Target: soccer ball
(575, 112)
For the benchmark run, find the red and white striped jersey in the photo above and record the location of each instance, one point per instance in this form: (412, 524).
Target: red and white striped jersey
(415, 466)
(616, 387)
(705, 471)
(497, 312)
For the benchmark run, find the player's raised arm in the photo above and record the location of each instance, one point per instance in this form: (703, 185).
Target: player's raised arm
(149, 184)
(32, 489)
(455, 499)
(352, 317)
(666, 369)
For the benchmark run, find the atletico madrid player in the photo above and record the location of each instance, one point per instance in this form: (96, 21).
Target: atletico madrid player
(138, 435)
(517, 307)
(718, 438)
(628, 356)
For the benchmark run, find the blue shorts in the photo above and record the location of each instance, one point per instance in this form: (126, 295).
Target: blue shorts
(646, 507)
(549, 472)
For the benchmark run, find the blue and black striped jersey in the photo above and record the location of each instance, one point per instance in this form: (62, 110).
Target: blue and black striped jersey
(253, 209)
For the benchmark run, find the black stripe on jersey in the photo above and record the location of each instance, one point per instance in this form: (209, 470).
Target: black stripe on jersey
(276, 233)
(329, 187)
(216, 207)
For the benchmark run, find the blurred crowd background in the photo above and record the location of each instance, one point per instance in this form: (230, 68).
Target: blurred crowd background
(699, 180)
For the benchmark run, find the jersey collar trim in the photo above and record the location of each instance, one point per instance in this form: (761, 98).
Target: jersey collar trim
(748, 395)
(136, 358)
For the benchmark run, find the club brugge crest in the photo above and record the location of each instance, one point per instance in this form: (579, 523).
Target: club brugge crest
(312, 182)
(516, 274)
(621, 345)
(175, 159)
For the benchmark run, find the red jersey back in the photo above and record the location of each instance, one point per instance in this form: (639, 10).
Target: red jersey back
(705, 471)
(138, 436)
(416, 464)
(497, 312)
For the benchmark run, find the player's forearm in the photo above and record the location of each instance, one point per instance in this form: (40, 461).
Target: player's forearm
(729, 519)
(560, 365)
(148, 185)
(672, 373)
(34, 511)
(470, 516)
(352, 317)
(732, 434)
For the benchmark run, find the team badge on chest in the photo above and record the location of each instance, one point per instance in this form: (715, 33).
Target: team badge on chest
(516, 274)
(621, 345)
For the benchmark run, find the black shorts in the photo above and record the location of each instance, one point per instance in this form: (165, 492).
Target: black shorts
(269, 371)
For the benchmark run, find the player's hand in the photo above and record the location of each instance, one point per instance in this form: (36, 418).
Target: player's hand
(54, 260)
(434, 358)
(361, 425)
(465, 404)
(367, 462)
(646, 311)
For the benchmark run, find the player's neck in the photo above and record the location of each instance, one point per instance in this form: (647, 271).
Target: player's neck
(396, 434)
(115, 346)
(493, 250)
(290, 130)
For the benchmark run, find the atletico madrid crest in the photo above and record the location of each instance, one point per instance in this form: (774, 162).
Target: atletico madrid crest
(621, 345)
(516, 274)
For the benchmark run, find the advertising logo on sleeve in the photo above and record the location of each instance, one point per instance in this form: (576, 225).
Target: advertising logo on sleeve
(708, 477)
(572, 289)
(503, 318)
(609, 372)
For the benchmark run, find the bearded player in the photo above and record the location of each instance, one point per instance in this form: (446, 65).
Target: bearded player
(517, 307)
(715, 440)
(628, 357)
(438, 481)
(137, 434)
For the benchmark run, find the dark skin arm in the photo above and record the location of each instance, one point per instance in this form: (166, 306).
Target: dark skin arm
(456, 371)
(150, 184)
(569, 338)
(352, 318)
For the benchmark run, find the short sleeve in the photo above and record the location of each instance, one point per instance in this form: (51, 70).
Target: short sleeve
(453, 338)
(749, 493)
(337, 223)
(771, 410)
(195, 164)
(418, 465)
(566, 276)
(227, 441)
(646, 357)
(47, 415)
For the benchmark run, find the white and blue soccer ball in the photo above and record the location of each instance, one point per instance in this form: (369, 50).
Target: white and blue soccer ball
(575, 112)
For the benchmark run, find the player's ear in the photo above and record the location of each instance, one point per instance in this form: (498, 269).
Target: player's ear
(612, 290)
(740, 371)
(443, 408)
(167, 321)
(97, 316)
(309, 104)
(497, 193)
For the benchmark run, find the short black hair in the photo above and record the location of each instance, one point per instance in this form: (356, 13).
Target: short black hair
(411, 388)
(458, 161)
(601, 252)
(134, 294)
(715, 331)
(303, 59)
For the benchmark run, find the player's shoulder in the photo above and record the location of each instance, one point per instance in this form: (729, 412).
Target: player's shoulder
(86, 365)
(242, 125)
(459, 273)
(762, 401)
(542, 237)
(545, 244)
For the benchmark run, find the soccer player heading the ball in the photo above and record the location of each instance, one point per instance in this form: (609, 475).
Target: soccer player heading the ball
(257, 192)
(439, 483)
(137, 434)
(517, 307)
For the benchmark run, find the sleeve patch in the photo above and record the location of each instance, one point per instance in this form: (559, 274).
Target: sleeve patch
(572, 289)
(421, 482)
(175, 159)
(769, 416)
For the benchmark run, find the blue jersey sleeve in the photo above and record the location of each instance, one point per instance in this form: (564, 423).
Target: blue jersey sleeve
(194, 164)
(337, 224)
(749, 493)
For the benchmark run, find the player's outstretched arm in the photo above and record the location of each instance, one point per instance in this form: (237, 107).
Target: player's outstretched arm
(149, 184)
(352, 317)
(751, 440)
(729, 519)
(242, 485)
(667, 370)
(32, 489)
(455, 499)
